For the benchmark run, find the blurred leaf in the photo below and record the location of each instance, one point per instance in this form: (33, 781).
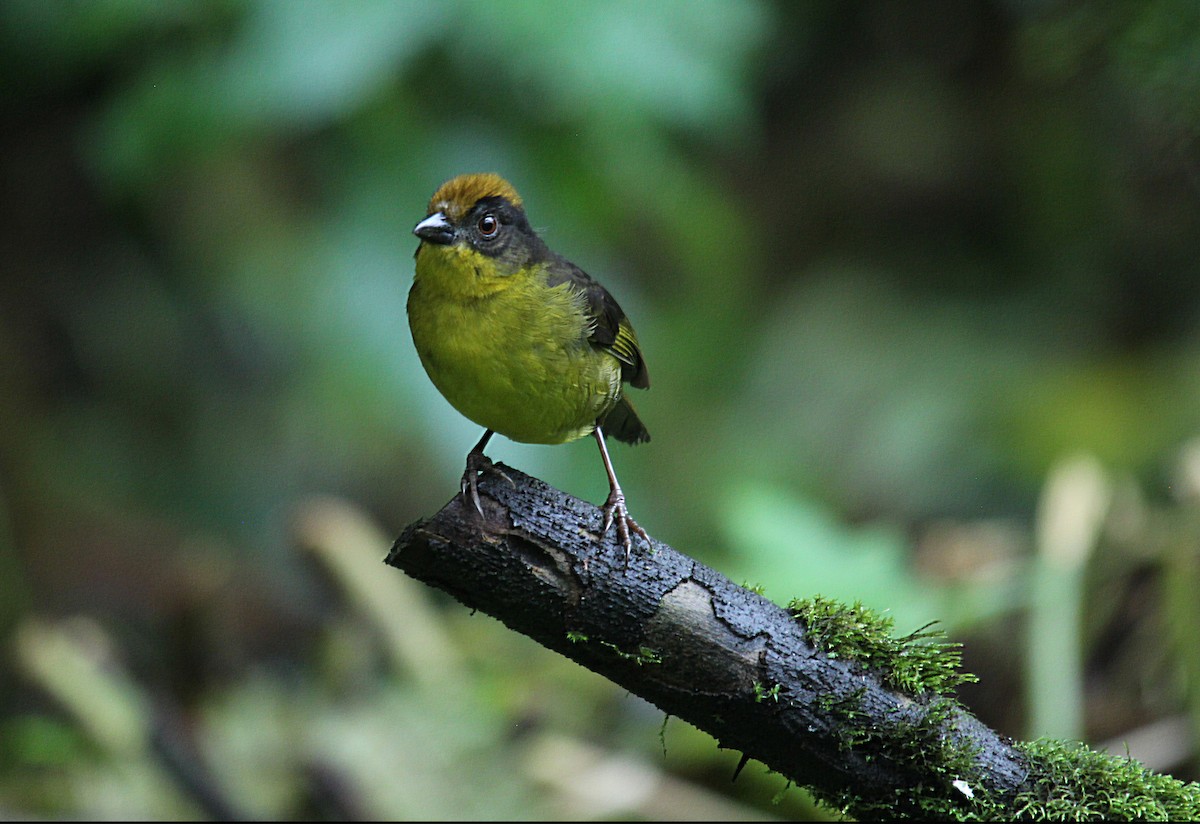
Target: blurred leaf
(796, 549)
(397, 753)
(594, 58)
(42, 741)
(304, 62)
(1071, 514)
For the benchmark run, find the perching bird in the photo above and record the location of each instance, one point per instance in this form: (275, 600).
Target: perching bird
(516, 337)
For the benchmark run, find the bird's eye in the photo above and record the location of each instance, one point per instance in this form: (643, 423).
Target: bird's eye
(489, 227)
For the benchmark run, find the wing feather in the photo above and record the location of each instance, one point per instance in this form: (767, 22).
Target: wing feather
(610, 328)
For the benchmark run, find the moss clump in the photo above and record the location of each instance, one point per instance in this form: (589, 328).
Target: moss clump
(853, 723)
(1067, 782)
(939, 760)
(1073, 783)
(913, 664)
(941, 764)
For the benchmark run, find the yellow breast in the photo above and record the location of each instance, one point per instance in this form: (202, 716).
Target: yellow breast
(508, 351)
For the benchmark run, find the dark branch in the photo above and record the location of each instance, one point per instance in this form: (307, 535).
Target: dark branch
(703, 649)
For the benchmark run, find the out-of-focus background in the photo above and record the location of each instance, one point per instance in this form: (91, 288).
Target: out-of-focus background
(917, 285)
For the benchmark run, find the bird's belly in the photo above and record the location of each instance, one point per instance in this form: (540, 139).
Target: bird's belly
(534, 383)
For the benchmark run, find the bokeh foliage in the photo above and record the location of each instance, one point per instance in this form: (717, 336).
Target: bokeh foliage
(891, 264)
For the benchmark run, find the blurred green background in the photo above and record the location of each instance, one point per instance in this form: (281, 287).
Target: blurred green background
(916, 282)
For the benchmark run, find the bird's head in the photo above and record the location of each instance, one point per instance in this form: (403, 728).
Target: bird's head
(482, 213)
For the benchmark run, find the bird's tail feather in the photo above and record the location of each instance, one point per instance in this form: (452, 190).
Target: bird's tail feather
(623, 423)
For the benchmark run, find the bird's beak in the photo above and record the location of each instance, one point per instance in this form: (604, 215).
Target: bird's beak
(435, 229)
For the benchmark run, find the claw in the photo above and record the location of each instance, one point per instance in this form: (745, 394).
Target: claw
(614, 507)
(615, 511)
(477, 462)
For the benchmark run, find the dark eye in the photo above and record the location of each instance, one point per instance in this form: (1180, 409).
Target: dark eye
(489, 227)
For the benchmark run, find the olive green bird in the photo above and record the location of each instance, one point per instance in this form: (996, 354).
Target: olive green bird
(516, 337)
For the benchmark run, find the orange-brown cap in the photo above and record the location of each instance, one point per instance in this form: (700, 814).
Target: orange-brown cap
(457, 196)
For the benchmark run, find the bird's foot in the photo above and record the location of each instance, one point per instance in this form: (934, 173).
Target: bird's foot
(615, 511)
(478, 463)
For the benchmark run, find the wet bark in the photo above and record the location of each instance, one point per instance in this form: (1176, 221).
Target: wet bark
(703, 649)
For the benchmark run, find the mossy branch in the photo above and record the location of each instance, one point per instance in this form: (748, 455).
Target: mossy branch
(819, 692)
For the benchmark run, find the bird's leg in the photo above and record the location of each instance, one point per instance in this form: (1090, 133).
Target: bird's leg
(478, 462)
(614, 507)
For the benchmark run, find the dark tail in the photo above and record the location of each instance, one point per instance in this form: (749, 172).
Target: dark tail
(623, 423)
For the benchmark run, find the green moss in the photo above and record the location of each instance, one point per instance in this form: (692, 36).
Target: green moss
(927, 747)
(762, 693)
(778, 797)
(1073, 783)
(913, 664)
(853, 725)
(644, 655)
(1067, 782)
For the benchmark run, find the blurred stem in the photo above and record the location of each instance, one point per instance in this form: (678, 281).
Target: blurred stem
(1055, 686)
(1181, 573)
(75, 663)
(1070, 515)
(350, 547)
(72, 662)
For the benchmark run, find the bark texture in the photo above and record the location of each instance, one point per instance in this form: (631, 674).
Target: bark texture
(705, 650)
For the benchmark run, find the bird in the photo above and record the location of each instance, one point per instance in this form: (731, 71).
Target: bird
(517, 338)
